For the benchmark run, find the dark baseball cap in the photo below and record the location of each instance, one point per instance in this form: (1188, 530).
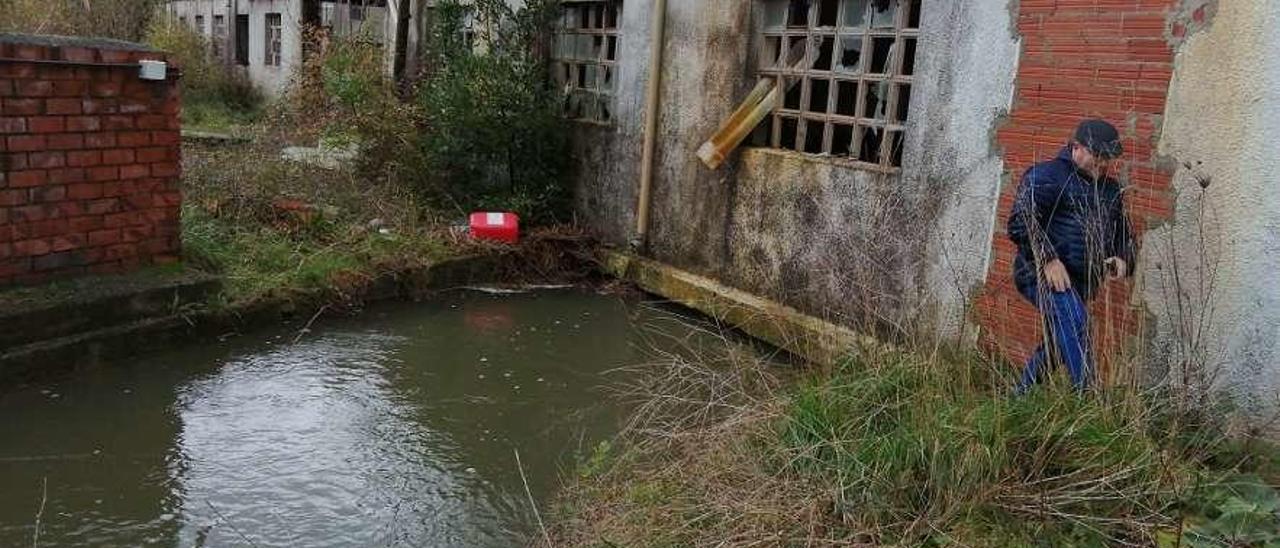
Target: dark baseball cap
(1100, 137)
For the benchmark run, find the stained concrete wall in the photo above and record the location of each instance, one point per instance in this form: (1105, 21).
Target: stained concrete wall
(1210, 275)
(835, 240)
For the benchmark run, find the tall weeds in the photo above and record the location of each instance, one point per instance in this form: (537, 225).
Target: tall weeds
(906, 448)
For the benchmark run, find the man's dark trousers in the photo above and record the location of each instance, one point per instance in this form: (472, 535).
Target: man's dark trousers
(1066, 325)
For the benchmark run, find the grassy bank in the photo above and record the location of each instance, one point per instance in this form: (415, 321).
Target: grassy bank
(899, 449)
(276, 229)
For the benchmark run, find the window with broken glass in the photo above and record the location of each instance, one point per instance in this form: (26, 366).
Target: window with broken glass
(219, 35)
(273, 39)
(585, 56)
(846, 69)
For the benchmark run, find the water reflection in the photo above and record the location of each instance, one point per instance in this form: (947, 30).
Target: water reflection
(395, 428)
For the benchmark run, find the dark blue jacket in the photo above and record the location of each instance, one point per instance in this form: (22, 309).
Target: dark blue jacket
(1061, 212)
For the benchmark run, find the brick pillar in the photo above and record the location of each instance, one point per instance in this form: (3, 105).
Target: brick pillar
(1083, 58)
(89, 159)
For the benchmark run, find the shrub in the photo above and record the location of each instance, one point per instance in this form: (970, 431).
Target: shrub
(494, 136)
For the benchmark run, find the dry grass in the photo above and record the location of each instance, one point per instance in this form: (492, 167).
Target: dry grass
(120, 19)
(896, 448)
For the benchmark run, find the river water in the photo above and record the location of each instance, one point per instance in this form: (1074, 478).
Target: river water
(396, 428)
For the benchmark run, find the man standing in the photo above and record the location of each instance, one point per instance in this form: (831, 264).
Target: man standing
(1071, 229)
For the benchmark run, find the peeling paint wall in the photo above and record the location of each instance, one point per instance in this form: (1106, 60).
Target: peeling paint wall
(843, 242)
(1222, 123)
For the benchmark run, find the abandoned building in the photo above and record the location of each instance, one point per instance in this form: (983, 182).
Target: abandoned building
(265, 38)
(875, 188)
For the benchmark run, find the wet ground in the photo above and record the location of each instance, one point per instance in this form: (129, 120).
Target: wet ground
(396, 428)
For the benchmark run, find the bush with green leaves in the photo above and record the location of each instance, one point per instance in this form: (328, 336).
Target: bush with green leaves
(494, 137)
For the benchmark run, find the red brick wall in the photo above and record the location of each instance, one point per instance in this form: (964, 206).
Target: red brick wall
(89, 161)
(1110, 59)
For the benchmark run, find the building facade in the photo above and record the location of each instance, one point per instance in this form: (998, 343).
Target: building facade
(265, 37)
(876, 192)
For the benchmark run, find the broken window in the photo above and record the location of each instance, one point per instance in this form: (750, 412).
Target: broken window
(846, 67)
(242, 40)
(219, 35)
(273, 38)
(200, 25)
(586, 54)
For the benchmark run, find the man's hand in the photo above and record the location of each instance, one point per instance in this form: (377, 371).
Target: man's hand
(1056, 274)
(1116, 268)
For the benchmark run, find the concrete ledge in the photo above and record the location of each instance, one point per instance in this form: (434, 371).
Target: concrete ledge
(92, 320)
(62, 308)
(818, 341)
(212, 137)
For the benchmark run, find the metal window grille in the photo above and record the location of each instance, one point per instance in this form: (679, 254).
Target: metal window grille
(274, 35)
(849, 92)
(585, 52)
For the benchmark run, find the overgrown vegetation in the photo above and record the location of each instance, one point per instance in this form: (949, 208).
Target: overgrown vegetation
(119, 19)
(277, 229)
(898, 449)
(421, 156)
(494, 137)
(213, 96)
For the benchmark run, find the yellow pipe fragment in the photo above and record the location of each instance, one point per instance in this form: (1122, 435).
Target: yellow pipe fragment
(735, 129)
(758, 104)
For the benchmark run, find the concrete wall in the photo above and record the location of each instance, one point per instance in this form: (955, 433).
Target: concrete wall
(1223, 119)
(848, 243)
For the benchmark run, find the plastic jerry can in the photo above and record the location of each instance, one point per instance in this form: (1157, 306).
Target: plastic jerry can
(497, 227)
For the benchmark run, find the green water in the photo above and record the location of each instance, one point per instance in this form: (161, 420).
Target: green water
(395, 428)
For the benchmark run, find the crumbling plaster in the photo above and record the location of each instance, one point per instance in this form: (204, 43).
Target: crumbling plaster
(1220, 254)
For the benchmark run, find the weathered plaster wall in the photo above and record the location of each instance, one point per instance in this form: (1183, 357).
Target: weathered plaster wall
(968, 63)
(834, 240)
(607, 157)
(705, 74)
(1223, 119)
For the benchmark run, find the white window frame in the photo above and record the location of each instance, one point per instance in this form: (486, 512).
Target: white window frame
(273, 46)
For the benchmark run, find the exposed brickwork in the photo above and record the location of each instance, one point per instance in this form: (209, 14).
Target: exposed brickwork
(1109, 59)
(89, 162)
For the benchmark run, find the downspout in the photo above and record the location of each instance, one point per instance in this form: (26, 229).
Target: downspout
(659, 22)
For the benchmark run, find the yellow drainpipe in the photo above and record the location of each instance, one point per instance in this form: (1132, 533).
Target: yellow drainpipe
(658, 24)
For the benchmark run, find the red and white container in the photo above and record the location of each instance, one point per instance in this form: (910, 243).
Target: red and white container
(497, 227)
